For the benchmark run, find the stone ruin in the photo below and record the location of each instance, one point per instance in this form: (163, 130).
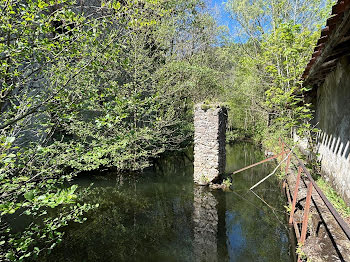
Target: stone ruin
(209, 143)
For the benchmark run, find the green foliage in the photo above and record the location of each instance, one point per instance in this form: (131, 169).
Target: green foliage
(91, 87)
(205, 107)
(234, 135)
(227, 183)
(288, 208)
(268, 96)
(300, 252)
(333, 197)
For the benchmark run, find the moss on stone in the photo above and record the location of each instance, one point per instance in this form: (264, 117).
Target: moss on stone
(205, 107)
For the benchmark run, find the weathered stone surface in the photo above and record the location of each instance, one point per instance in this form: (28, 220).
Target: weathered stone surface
(333, 118)
(209, 143)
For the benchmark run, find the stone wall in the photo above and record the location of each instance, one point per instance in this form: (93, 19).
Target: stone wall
(333, 118)
(209, 143)
(333, 102)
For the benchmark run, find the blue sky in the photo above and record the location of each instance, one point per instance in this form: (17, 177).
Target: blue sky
(223, 16)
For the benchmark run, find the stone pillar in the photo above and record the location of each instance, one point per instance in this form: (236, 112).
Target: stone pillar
(209, 143)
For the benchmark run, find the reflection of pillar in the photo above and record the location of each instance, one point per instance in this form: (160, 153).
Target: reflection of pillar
(209, 142)
(205, 220)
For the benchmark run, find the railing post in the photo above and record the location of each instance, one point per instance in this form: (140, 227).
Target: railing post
(306, 214)
(306, 217)
(295, 195)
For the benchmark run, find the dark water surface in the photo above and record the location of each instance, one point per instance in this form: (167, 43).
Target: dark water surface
(160, 215)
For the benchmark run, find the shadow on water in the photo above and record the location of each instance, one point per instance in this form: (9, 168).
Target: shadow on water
(160, 215)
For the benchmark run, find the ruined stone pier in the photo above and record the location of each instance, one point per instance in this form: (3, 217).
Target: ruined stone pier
(209, 143)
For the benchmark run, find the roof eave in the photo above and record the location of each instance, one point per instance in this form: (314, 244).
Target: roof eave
(333, 44)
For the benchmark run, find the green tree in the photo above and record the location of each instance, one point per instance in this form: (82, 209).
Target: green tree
(87, 87)
(277, 41)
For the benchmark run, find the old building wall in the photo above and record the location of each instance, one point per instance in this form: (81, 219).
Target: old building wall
(209, 142)
(333, 118)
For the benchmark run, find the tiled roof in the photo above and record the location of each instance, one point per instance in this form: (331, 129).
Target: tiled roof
(332, 44)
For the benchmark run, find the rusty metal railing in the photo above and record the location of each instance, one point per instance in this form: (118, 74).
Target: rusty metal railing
(312, 184)
(258, 163)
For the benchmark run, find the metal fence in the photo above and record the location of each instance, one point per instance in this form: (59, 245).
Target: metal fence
(286, 154)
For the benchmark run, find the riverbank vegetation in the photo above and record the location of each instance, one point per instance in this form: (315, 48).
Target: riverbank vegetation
(87, 87)
(279, 36)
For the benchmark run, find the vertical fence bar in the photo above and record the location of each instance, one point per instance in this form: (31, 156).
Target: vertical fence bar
(295, 195)
(306, 213)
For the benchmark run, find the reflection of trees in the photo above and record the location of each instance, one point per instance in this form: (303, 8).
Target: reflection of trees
(175, 164)
(145, 221)
(205, 220)
(152, 220)
(240, 155)
(108, 235)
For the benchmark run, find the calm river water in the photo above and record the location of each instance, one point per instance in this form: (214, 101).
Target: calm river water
(160, 215)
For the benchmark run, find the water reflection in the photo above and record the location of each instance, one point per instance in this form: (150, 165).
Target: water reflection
(160, 215)
(205, 220)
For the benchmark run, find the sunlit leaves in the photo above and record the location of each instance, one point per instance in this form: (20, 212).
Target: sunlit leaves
(278, 39)
(83, 90)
